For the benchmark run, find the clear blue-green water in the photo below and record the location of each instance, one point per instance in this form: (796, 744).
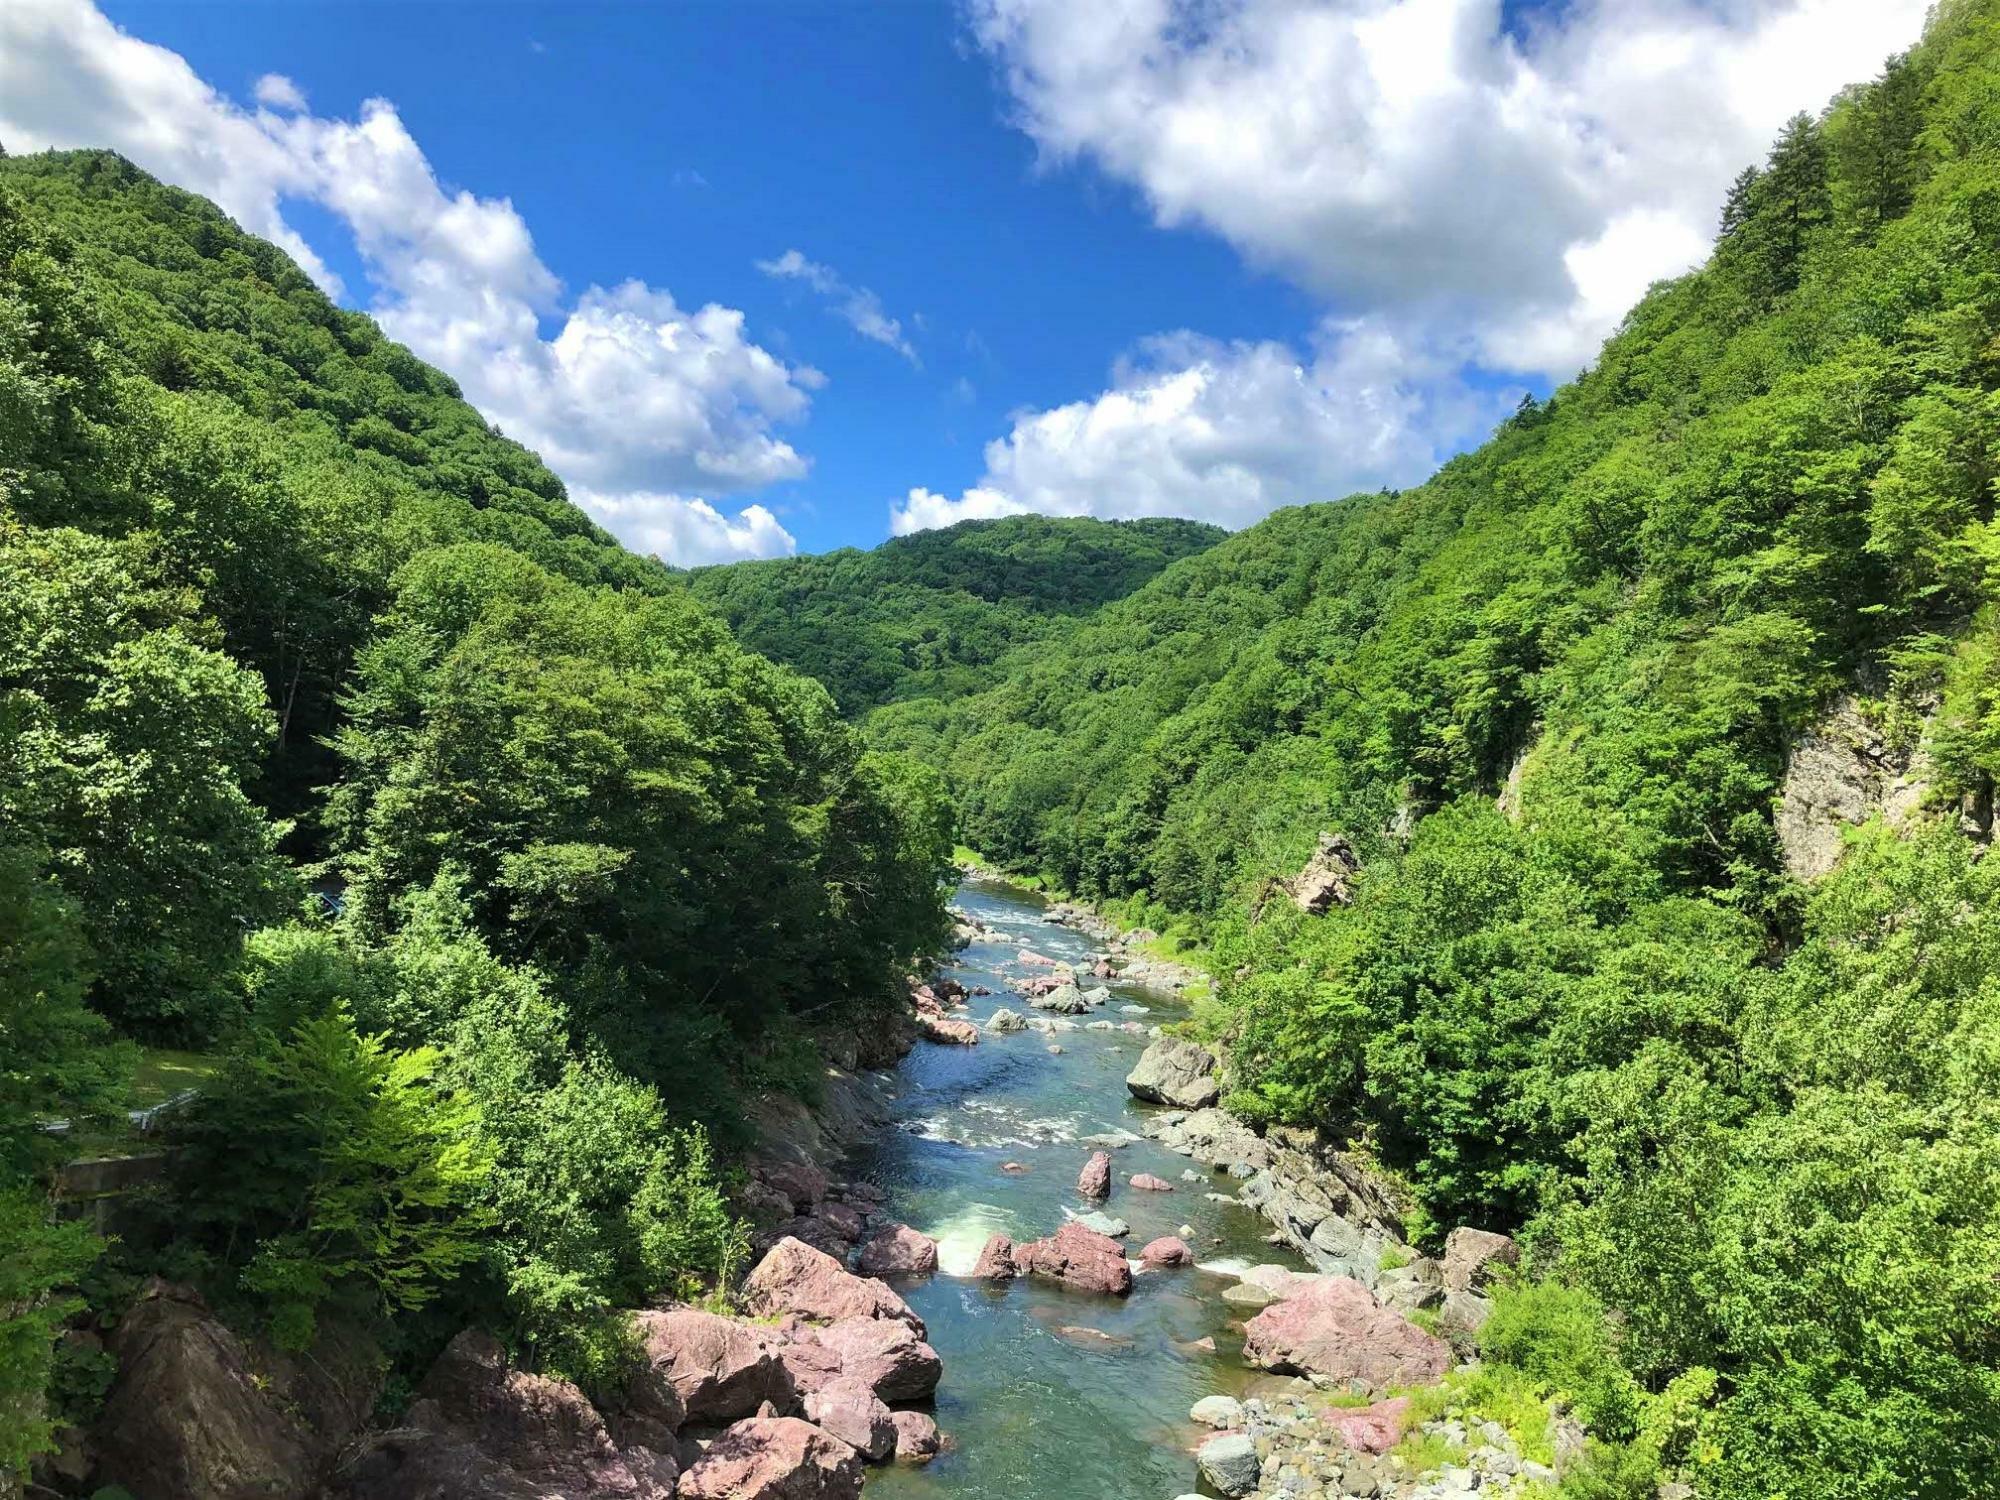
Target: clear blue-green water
(1032, 1410)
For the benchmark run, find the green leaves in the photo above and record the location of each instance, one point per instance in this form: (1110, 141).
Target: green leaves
(330, 1162)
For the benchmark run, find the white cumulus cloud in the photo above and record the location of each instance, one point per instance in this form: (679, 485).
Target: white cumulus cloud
(1227, 432)
(635, 400)
(858, 307)
(1417, 157)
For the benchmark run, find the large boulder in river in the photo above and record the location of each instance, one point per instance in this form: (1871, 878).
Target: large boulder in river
(1078, 1257)
(949, 1031)
(1176, 1072)
(1065, 999)
(1168, 1250)
(1334, 1331)
(795, 1278)
(996, 1260)
(720, 1369)
(918, 1440)
(774, 1458)
(1004, 1020)
(1094, 1181)
(896, 1364)
(898, 1250)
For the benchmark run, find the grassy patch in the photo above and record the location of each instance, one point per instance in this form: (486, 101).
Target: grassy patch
(166, 1071)
(1426, 1452)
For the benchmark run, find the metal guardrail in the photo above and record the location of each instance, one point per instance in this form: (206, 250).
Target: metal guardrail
(143, 1120)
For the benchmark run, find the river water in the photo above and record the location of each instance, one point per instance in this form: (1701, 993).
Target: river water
(1049, 1392)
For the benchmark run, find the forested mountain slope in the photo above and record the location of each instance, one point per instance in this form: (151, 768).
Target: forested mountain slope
(1756, 1117)
(935, 614)
(278, 610)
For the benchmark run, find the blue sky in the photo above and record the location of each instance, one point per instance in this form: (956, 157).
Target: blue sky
(1109, 264)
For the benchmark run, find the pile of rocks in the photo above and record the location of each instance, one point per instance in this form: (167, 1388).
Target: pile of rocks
(1296, 1445)
(788, 1409)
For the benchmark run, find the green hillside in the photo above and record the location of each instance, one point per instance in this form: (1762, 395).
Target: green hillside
(935, 614)
(1755, 1117)
(280, 612)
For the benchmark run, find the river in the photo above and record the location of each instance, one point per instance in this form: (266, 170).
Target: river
(1031, 1409)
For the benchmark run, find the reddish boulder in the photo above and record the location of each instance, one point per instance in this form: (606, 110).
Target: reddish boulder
(795, 1278)
(918, 1440)
(1168, 1250)
(948, 1031)
(996, 1260)
(1148, 1183)
(898, 1250)
(537, 1427)
(774, 1458)
(1094, 1181)
(1029, 956)
(1078, 1257)
(849, 1409)
(896, 1364)
(800, 1181)
(840, 1218)
(1335, 1331)
(811, 1365)
(1371, 1429)
(720, 1369)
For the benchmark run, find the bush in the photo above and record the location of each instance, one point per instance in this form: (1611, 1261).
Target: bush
(325, 1163)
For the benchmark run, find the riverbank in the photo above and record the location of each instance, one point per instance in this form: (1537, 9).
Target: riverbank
(1015, 1149)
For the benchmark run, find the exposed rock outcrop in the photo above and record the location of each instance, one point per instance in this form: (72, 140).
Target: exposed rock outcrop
(482, 1428)
(197, 1411)
(1843, 771)
(1326, 880)
(849, 1409)
(886, 1354)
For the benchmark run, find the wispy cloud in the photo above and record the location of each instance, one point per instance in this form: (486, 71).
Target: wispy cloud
(860, 308)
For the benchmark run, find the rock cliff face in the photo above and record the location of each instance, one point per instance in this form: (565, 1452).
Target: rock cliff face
(1842, 772)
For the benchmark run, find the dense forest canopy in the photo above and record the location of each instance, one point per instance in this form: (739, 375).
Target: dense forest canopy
(289, 631)
(936, 615)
